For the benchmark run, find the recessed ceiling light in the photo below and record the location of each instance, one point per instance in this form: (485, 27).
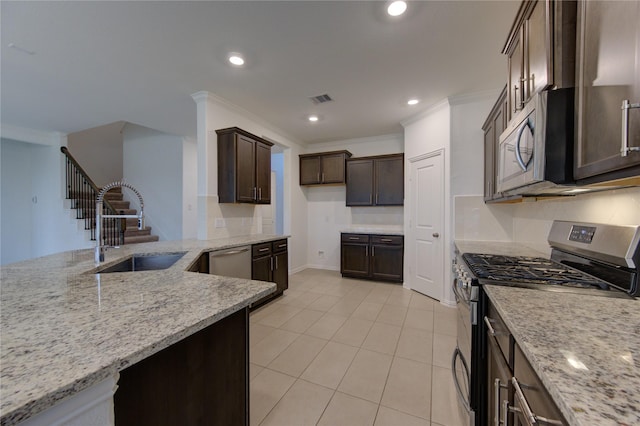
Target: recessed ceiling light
(413, 102)
(313, 118)
(397, 8)
(236, 59)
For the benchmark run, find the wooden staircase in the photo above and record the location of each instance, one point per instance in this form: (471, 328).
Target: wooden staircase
(83, 192)
(132, 235)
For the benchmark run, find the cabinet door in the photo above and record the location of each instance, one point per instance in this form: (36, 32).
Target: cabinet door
(261, 269)
(537, 55)
(332, 168)
(386, 262)
(516, 68)
(281, 271)
(359, 183)
(310, 170)
(608, 72)
(489, 161)
(498, 391)
(354, 260)
(263, 173)
(245, 169)
(389, 181)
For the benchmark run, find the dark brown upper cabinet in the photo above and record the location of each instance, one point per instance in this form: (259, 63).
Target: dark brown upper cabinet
(375, 181)
(492, 128)
(540, 49)
(244, 167)
(323, 168)
(607, 91)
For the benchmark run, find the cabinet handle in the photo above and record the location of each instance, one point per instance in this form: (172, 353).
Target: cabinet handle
(318, 179)
(276, 262)
(626, 149)
(496, 403)
(370, 198)
(282, 245)
(259, 194)
(255, 193)
(271, 263)
(505, 410)
(354, 238)
(366, 251)
(322, 177)
(386, 240)
(373, 251)
(263, 249)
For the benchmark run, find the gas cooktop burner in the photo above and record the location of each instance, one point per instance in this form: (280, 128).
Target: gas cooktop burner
(535, 270)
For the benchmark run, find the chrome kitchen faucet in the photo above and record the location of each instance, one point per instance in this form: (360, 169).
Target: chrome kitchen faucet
(100, 249)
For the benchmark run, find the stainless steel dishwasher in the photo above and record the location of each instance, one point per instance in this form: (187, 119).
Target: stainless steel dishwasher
(234, 262)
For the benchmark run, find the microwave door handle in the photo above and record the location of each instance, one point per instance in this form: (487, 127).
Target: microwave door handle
(521, 162)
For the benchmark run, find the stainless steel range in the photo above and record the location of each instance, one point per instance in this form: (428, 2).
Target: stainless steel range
(586, 258)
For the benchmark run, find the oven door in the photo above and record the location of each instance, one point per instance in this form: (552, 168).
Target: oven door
(460, 361)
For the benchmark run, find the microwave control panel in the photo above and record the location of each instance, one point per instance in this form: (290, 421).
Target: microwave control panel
(582, 234)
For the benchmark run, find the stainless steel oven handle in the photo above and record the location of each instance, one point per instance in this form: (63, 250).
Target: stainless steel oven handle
(454, 372)
(521, 403)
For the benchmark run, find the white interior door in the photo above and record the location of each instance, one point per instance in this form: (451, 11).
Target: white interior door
(426, 225)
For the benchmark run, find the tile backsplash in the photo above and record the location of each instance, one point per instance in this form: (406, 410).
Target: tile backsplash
(531, 221)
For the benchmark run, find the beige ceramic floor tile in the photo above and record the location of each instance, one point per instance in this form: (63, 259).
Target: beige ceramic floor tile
(326, 326)
(445, 322)
(367, 310)
(367, 375)
(382, 338)
(264, 311)
(254, 370)
(408, 388)
(346, 410)
(415, 344)
(443, 347)
(302, 405)
(418, 318)
(305, 299)
(353, 332)
(444, 402)
(378, 295)
(269, 348)
(420, 301)
(390, 417)
(257, 332)
(266, 389)
(302, 321)
(280, 316)
(392, 314)
(298, 355)
(345, 306)
(329, 367)
(324, 303)
(400, 297)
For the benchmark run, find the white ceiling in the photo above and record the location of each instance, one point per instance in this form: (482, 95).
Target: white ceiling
(78, 65)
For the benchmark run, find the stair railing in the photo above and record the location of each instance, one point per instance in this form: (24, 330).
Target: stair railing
(83, 192)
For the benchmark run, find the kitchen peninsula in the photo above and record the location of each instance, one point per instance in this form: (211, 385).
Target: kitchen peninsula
(66, 328)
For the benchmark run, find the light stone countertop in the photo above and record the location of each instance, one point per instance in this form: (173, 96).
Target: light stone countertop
(599, 335)
(373, 231)
(65, 328)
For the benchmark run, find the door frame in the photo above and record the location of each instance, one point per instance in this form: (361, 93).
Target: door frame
(446, 237)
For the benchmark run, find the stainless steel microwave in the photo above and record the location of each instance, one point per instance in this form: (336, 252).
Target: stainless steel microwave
(535, 156)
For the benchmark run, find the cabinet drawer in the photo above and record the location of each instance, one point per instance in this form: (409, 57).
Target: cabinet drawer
(501, 334)
(395, 240)
(279, 246)
(355, 238)
(262, 249)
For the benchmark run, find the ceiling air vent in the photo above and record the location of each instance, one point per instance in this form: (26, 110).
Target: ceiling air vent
(321, 99)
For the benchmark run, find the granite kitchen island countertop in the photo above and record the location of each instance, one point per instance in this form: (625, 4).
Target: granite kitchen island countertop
(585, 349)
(65, 328)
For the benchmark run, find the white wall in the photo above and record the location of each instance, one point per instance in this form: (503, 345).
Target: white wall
(189, 189)
(328, 214)
(153, 164)
(35, 217)
(99, 152)
(242, 219)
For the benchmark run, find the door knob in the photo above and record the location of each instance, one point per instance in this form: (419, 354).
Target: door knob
(435, 235)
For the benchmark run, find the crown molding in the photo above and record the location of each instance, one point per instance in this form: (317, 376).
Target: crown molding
(35, 136)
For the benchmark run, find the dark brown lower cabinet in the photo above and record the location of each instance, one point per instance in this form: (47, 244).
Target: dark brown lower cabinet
(376, 257)
(200, 380)
(271, 263)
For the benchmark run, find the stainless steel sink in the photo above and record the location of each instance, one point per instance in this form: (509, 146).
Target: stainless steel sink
(143, 262)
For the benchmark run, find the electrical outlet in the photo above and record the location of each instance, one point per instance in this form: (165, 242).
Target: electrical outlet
(321, 254)
(220, 223)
